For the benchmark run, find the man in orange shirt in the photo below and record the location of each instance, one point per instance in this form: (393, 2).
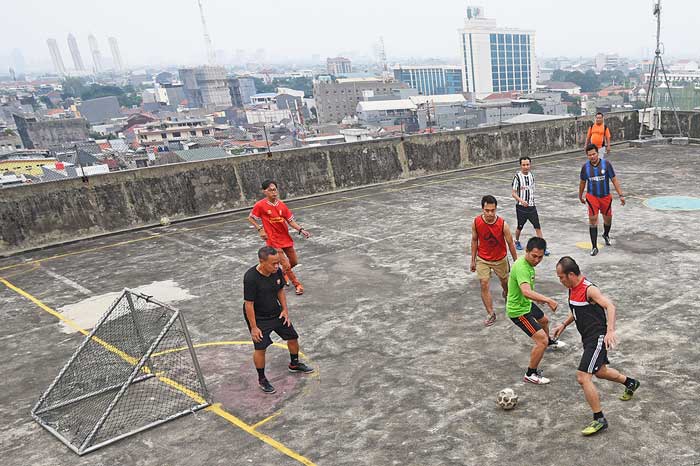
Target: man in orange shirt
(276, 218)
(599, 134)
(491, 240)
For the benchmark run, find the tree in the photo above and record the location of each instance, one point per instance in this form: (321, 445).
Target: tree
(560, 76)
(536, 108)
(72, 87)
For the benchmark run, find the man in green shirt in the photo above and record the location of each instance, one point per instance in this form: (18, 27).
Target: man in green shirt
(525, 313)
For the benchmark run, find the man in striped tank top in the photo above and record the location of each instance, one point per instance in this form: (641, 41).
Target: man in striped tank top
(490, 237)
(523, 191)
(588, 309)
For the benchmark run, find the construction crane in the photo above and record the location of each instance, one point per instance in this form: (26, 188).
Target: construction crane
(211, 56)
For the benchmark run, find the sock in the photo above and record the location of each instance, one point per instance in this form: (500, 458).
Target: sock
(598, 415)
(629, 383)
(551, 340)
(294, 358)
(261, 373)
(606, 229)
(531, 371)
(594, 235)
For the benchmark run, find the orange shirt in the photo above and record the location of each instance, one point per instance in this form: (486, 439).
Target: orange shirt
(492, 243)
(595, 134)
(274, 218)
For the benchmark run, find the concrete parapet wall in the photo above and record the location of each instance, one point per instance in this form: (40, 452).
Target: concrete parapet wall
(46, 213)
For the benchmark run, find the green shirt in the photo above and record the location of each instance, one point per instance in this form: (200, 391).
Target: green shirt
(521, 272)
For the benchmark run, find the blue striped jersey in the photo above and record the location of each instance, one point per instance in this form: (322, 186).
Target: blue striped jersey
(598, 177)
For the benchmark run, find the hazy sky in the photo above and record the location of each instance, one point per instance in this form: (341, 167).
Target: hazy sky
(169, 31)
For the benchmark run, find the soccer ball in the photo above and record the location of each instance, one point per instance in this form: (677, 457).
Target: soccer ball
(507, 399)
(165, 221)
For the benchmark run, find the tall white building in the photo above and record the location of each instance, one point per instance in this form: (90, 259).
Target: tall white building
(56, 57)
(75, 53)
(496, 59)
(116, 54)
(95, 51)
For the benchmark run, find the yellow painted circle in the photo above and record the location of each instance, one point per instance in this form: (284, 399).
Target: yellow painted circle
(588, 245)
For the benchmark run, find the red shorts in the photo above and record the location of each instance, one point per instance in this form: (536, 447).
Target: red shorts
(599, 204)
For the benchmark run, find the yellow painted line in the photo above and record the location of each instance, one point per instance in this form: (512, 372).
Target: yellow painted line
(216, 409)
(268, 418)
(587, 245)
(210, 225)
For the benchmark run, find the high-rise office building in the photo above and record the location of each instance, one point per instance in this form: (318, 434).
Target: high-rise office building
(56, 57)
(96, 55)
(496, 59)
(206, 87)
(116, 54)
(75, 53)
(338, 65)
(431, 80)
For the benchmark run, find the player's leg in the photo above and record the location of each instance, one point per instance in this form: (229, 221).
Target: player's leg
(585, 379)
(631, 385)
(289, 334)
(606, 210)
(259, 348)
(521, 220)
(291, 254)
(483, 273)
(284, 264)
(531, 327)
(593, 209)
(501, 269)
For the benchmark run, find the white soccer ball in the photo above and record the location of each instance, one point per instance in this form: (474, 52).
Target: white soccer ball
(507, 399)
(165, 221)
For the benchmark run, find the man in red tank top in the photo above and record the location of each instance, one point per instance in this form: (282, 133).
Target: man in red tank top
(491, 240)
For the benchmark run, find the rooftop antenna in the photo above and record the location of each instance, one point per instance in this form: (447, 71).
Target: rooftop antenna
(211, 57)
(656, 67)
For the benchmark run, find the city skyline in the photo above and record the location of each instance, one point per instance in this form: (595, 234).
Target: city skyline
(332, 30)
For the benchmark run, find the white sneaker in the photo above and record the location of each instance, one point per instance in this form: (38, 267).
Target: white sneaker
(557, 344)
(537, 379)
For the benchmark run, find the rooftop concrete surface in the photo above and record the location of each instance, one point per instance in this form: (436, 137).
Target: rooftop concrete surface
(392, 319)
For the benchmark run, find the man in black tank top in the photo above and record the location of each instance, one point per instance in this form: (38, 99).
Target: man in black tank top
(588, 309)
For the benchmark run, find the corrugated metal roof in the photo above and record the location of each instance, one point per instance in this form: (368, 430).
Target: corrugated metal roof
(205, 153)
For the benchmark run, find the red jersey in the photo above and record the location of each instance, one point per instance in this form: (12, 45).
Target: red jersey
(274, 218)
(492, 243)
(591, 320)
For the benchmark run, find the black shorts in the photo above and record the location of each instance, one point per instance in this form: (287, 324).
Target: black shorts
(594, 355)
(526, 214)
(528, 322)
(267, 326)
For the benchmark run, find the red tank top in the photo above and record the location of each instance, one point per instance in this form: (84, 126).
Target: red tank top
(492, 243)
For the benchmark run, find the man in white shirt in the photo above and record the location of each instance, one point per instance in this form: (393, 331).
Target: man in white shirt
(523, 191)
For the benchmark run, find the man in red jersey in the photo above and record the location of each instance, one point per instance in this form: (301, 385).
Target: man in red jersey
(490, 235)
(276, 218)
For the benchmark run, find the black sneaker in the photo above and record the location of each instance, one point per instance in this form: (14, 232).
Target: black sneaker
(607, 240)
(300, 367)
(266, 386)
(594, 252)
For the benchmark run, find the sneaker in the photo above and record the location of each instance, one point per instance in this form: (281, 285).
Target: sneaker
(536, 378)
(546, 252)
(518, 246)
(266, 386)
(556, 344)
(490, 320)
(607, 240)
(300, 367)
(629, 392)
(596, 426)
(594, 252)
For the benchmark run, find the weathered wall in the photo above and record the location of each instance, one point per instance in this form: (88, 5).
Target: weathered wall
(36, 215)
(690, 123)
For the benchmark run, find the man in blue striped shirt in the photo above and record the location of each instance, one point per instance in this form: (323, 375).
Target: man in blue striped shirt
(596, 174)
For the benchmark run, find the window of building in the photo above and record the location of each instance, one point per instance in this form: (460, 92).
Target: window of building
(177, 134)
(206, 131)
(193, 133)
(164, 135)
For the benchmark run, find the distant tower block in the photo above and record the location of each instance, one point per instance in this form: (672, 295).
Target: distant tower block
(56, 57)
(116, 55)
(75, 53)
(96, 55)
